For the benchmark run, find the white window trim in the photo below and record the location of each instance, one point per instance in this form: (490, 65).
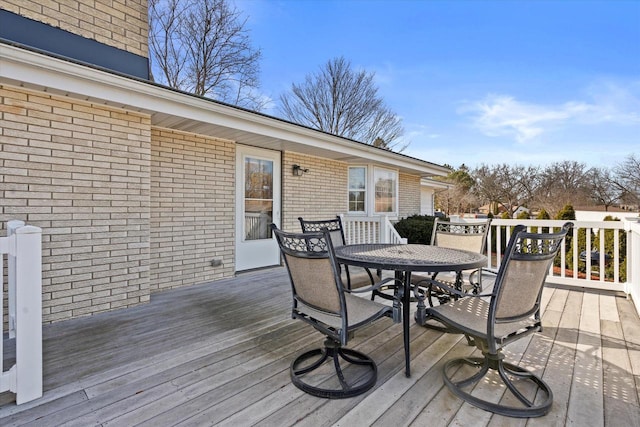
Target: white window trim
(367, 185)
(370, 191)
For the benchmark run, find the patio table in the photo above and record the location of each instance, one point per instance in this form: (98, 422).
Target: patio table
(403, 260)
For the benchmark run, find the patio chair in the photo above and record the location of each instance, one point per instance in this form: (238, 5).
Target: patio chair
(319, 299)
(362, 276)
(470, 236)
(512, 313)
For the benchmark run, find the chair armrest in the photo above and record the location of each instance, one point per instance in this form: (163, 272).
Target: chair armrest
(430, 283)
(375, 286)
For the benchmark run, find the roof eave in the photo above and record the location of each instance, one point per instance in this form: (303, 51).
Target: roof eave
(178, 110)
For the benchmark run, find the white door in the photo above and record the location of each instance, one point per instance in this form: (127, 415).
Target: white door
(257, 206)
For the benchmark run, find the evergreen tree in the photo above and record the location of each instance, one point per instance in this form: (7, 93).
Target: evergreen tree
(543, 214)
(567, 213)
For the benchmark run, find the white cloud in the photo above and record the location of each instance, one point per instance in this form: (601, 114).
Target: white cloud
(503, 115)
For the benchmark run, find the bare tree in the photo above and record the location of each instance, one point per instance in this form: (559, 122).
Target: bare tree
(563, 183)
(202, 47)
(509, 186)
(602, 187)
(627, 179)
(557, 185)
(343, 102)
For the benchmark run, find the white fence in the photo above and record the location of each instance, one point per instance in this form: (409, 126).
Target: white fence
(23, 247)
(369, 229)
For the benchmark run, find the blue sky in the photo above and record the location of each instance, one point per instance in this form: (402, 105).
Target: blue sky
(519, 82)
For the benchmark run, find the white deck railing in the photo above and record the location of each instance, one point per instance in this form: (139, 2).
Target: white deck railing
(369, 229)
(606, 272)
(574, 269)
(23, 247)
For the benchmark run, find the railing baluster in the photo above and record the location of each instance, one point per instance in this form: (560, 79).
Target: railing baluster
(616, 255)
(602, 267)
(498, 247)
(587, 245)
(563, 256)
(575, 253)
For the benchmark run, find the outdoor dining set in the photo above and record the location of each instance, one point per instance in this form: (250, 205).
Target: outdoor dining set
(339, 288)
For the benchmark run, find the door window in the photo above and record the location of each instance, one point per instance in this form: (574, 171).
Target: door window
(258, 198)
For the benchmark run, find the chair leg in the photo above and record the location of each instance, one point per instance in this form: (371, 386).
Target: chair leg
(476, 286)
(341, 362)
(505, 370)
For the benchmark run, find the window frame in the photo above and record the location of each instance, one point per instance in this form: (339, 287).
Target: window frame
(370, 171)
(396, 191)
(365, 190)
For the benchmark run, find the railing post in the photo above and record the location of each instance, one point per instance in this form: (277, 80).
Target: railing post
(632, 286)
(12, 226)
(24, 248)
(28, 327)
(384, 231)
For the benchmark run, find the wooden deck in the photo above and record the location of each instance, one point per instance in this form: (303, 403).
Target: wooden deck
(219, 354)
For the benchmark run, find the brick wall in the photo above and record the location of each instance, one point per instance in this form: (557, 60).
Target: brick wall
(320, 193)
(119, 23)
(192, 209)
(409, 197)
(79, 171)
(127, 209)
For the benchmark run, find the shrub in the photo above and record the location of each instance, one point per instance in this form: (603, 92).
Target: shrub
(416, 228)
(543, 214)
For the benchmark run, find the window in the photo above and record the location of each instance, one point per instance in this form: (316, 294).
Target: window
(386, 190)
(357, 189)
(258, 198)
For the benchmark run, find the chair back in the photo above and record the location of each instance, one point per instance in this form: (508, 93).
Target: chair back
(469, 236)
(314, 274)
(522, 274)
(334, 226)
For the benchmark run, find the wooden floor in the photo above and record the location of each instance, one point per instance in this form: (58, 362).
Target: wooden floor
(219, 354)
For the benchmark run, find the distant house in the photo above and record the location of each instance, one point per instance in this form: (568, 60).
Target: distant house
(428, 189)
(140, 188)
(519, 210)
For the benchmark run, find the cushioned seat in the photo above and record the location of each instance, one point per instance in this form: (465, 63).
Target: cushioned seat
(512, 312)
(354, 277)
(321, 300)
(468, 236)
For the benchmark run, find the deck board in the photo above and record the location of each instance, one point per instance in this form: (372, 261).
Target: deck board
(585, 402)
(219, 354)
(559, 369)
